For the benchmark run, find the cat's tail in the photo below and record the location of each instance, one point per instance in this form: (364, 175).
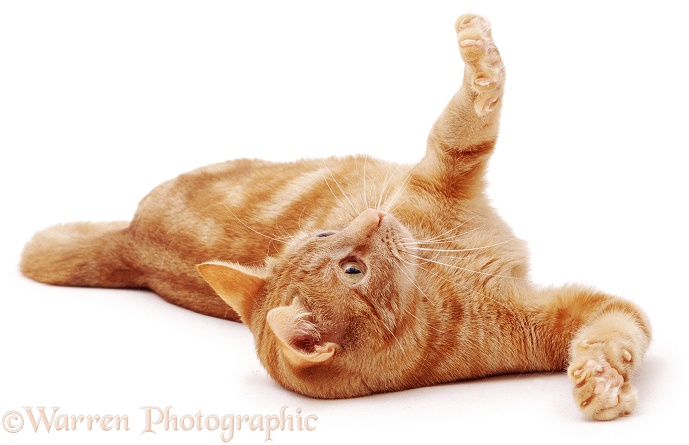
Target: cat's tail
(82, 254)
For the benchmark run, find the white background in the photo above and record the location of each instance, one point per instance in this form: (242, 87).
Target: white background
(101, 101)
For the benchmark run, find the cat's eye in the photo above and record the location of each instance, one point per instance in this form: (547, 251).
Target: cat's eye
(353, 271)
(323, 234)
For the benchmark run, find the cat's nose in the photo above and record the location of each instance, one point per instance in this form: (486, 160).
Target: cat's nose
(366, 223)
(372, 216)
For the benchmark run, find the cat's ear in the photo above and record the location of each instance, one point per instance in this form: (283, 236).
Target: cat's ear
(237, 285)
(298, 338)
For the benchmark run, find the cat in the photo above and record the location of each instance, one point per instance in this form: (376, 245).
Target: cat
(358, 276)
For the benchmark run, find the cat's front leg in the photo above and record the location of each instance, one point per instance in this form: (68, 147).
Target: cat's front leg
(601, 340)
(464, 135)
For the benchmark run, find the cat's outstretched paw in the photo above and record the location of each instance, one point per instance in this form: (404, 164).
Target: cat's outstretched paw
(600, 373)
(485, 72)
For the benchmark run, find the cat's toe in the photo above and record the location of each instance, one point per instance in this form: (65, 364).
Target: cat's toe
(469, 21)
(473, 36)
(485, 71)
(600, 390)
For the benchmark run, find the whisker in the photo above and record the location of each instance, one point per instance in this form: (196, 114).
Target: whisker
(422, 322)
(411, 278)
(285, 235)
(301, 220)
(393, 335)
(332, 192)
(274, 238)
(402, 187)
(469, 249)
(340, 188)
(452, 266)
(440, 238)
(465, 287)
(365, 197)
(411, 241)
(474, 291)
(382, 190)
(342, 206)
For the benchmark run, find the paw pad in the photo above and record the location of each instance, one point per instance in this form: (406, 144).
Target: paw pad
(600, 372)
(604, 379)
(484, 66)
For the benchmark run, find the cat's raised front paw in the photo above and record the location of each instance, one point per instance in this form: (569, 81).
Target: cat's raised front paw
(485, 70)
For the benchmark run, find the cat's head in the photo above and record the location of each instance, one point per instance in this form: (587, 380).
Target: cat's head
(332, 309)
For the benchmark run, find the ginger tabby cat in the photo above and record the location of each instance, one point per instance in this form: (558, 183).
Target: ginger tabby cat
(359, 276)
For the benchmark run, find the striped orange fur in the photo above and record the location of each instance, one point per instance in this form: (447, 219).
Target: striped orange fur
(359, 276)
